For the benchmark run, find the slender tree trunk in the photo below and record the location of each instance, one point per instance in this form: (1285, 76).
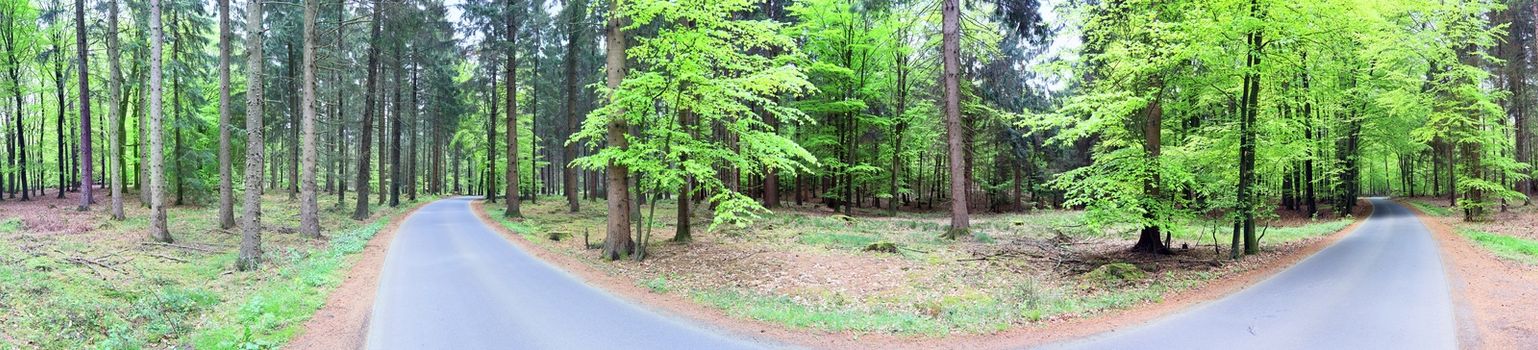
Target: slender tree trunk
(85, 111)
(251, 219)
(1251, 108)
(617, 242)
(226, 186)
(309, 209)
(395, 135)
(491, 139)
(512, 114)
(158, 229)
(293, 121)
(341, 110)
(575, 13)
(951, 55)
(115, 111)
(360, 212)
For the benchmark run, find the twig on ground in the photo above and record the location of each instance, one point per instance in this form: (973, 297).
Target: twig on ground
(88, 262)
(167, 257)
(187, 247)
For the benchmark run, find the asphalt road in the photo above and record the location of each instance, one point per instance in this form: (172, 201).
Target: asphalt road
(451, 282)
(1380, 287)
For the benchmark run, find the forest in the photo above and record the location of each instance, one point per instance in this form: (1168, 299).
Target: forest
(1220, 119)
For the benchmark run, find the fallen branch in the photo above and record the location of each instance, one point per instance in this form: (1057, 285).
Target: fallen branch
(88, 262)
(187, 247)
(167, 257)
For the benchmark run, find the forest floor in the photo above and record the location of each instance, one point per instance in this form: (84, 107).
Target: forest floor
(74, 280)
(1493, 266)
(808, 269)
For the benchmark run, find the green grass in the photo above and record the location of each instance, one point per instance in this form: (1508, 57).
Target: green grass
(1431, 209)
(274, 314)
(657, 285)
(1513, 248)
(10, 225)
(783, 310)
(1203, 232)
(837, 240)
(965, 313)
(163, 297)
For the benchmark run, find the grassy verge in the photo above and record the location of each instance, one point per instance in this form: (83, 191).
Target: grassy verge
(150, 296)
(1430, 209)
(1508, 247)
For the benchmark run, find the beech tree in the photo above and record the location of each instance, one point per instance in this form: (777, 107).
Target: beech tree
(701, 68)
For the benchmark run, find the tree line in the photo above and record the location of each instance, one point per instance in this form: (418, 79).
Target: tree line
(1162, 115)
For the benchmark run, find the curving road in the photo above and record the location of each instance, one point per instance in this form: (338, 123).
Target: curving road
(1380, 287)
(451, 282)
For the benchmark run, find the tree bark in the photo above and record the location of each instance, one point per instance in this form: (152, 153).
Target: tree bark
(1149, 240)
(951, 55)
(617, 242)
(395, 135)
(226, 186)
(1246, 205)
(251, 216)
(575, 12)
(85, 111)
(512, 210)
(360, 211)
(115, 111)
(309, 209)
(158, 229)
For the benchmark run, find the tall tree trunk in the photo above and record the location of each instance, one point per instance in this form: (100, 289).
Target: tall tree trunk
(226, 186)
(251, 217)
(309, 209)
(360, 212)
(158, 229)
(491, 139)
(951, 55)
(411, 155)
(395, 134)
(1246, 205)
(1309, 135)
(115, 111)
(341, 110)
(293, 122)
(512, 113)
(85, 111)
(575, 12)
(617, 242)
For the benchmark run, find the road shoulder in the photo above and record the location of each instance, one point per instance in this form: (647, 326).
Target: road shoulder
(342, 323)
(1495, 301)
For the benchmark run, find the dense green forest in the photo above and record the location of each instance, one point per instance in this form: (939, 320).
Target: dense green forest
(1146, 114)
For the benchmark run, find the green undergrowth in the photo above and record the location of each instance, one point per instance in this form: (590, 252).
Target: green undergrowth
(1508, 247)
(1204, 233)
(968, 312)
(156, 297)
(10, 225)
(1430, 209)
